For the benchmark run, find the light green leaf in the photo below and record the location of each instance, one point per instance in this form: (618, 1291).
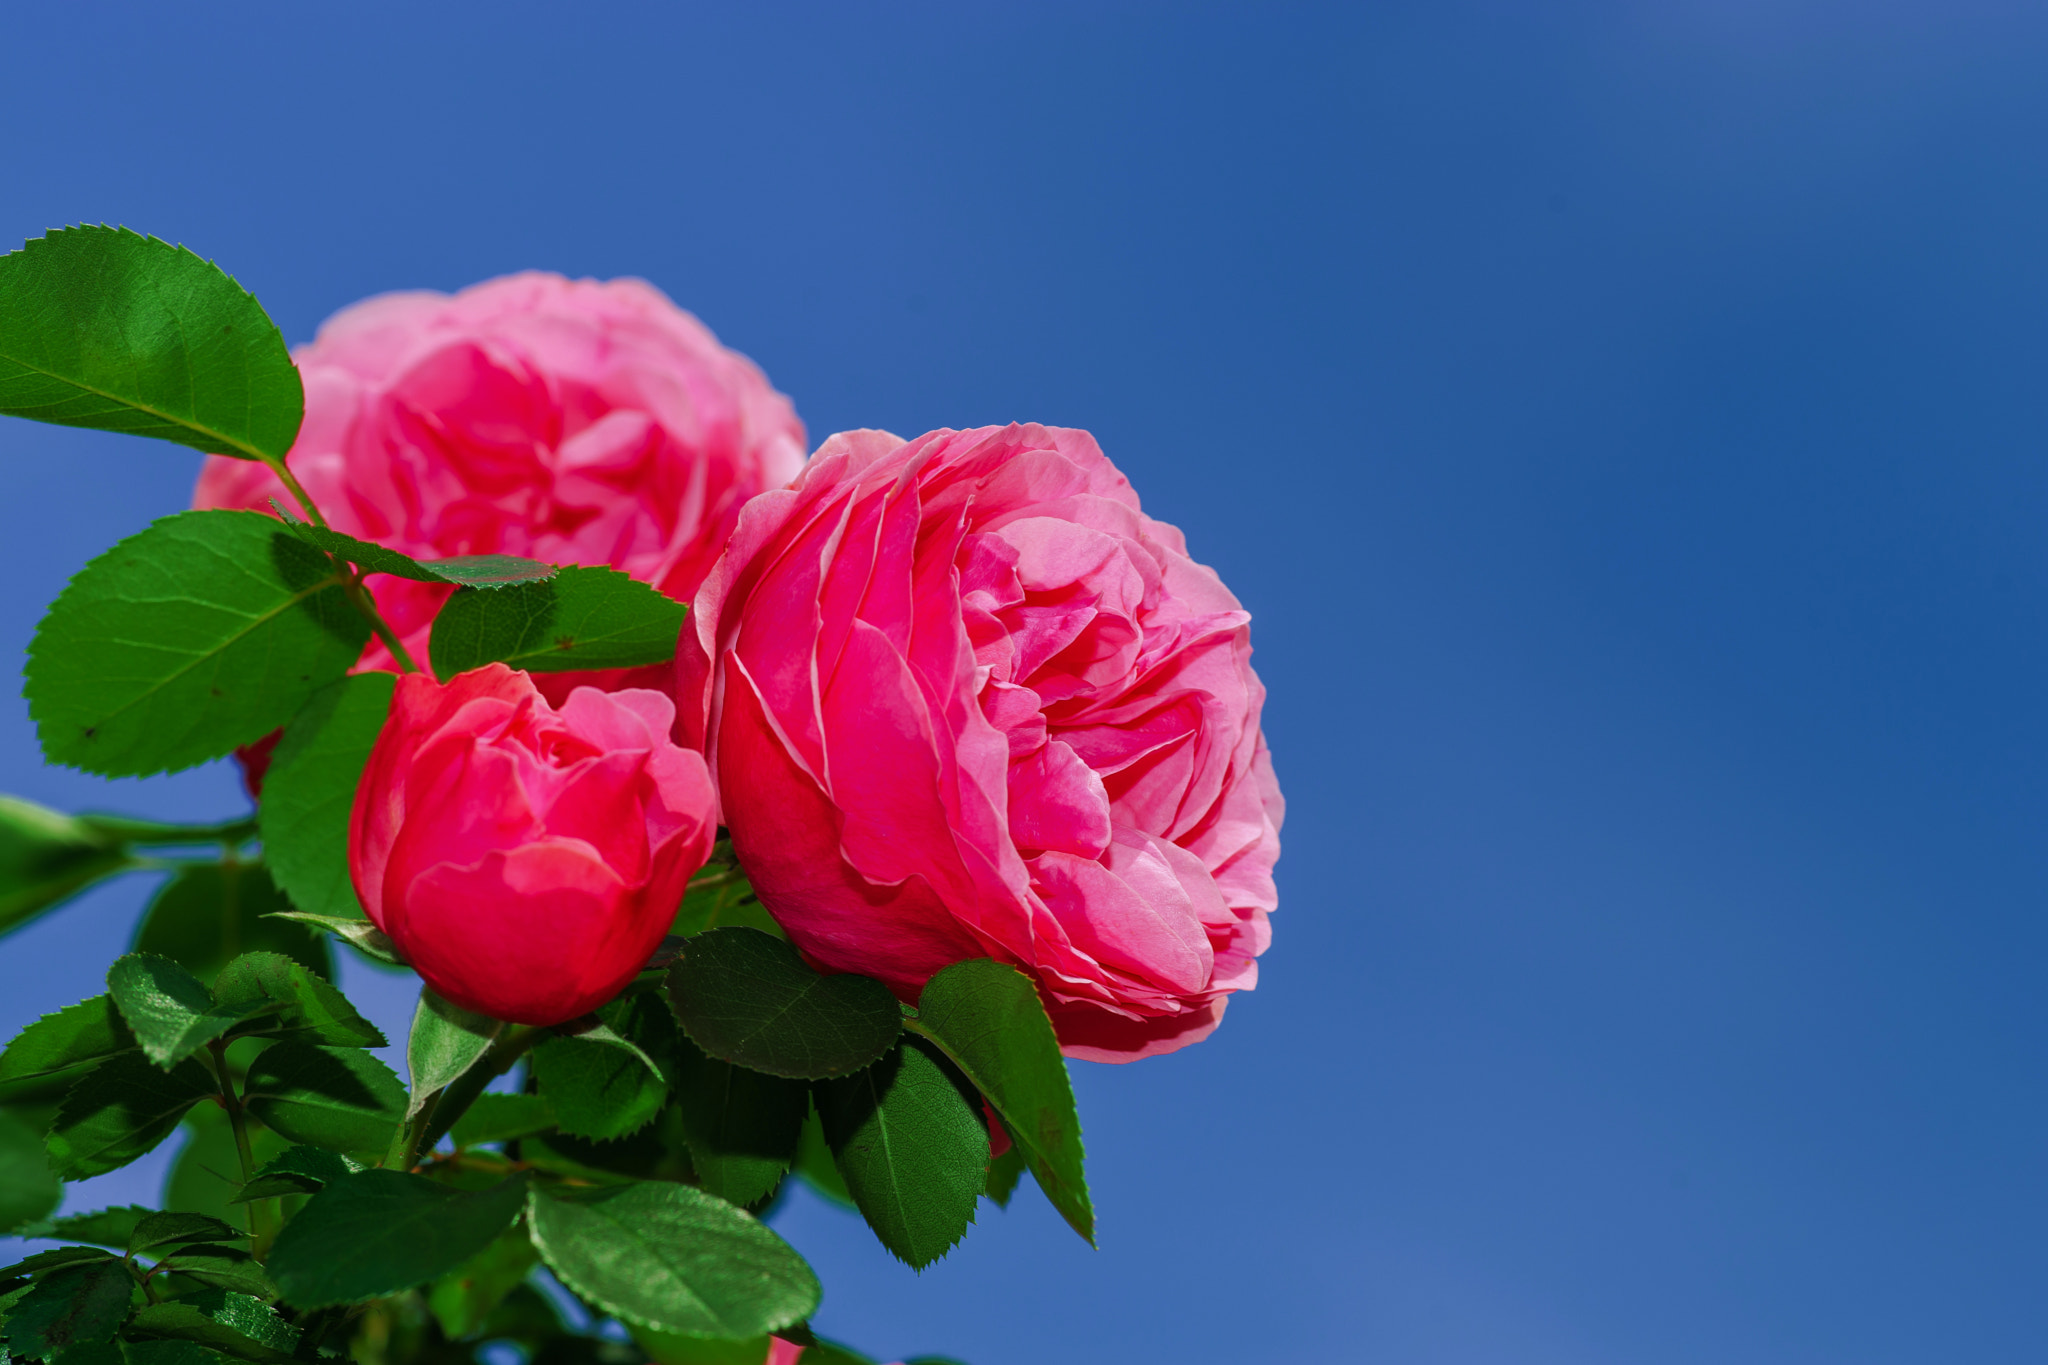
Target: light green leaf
(582, 618)
(502, 1118)
(445, 1040)
(28, 1191)
(378, 1232)
(743, 1126)
(209, 913)
(986, 1016)
(722, 900)
(750, 999)
(311, 787)
(234, 1324)
(80, 1305)
(169, 1010)
(122, 1108)
(206, 631)
(672, 1258)
(910, 1139)
(298, 1005)
(599, 1086)
(361, 935)
(89, 1031)
(463, 1298)
(297, 1170)
(102, 328)
(46, 857)
(339, 1098)
(463, 571)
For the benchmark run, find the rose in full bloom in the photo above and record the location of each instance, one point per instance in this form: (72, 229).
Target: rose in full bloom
(964, 699)
(571, 421)
(527, 859)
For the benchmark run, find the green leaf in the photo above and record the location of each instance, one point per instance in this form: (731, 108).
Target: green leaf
(170, 1229)
(46, 857)
(89, 1031)
(27, 1189)
(445, 1041)
(722, 900)
(334, 1097)
(299, 1005)
(463, 1298)
(44, 1261)
(169, 1010)
(743, 1126)
(121, 1109)
(463, 571)
(209, 913)
(203, 632)
(79, 1305)
(672, 1258)
(814, 1162)
(110, 1227)
(207, 1172)
(750, 999)
(297, 1170)
(909, 1137)
(102, 328)
(581, 618)
(666, 1348)
(234, 1324)
(361, 935)
(1003, 1174)
(987, 1017)
(166, 1352)
(311, 787)
(378, 1232)
(612, 1080)
(221, 1267)
(502, 1118)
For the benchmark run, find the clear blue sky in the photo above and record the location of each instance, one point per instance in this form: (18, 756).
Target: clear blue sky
(1625, 423)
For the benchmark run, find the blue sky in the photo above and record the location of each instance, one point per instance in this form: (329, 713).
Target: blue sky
(1624, 422)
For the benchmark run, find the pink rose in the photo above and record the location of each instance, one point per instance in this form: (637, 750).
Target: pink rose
(963, 699)
(527, 860)
(569, 421)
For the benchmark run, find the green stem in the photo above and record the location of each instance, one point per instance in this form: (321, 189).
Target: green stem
(367, 605)
(453, 1101)
(297, 489)
(261, 1229)
(129, 831)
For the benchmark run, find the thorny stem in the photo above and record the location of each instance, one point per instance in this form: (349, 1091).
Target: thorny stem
(260, 1222)
(454, 1100)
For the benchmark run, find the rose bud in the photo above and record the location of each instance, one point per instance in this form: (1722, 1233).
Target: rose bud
(570, 421)
(964, 699)
(527, 859)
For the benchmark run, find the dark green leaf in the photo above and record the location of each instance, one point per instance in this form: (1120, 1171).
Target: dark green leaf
(464, 571)
(987, 1017)
(311, 787)
(170, 1229)
(1003, 1174)
(719, 901)
(46, 856)
(445, 1041)
(76, 1306)
(581, 618)
(378, 1232)
(102, 328)
(667, 1348)
(89, 1031)
(234, 1324)
(298, 1005)
(166, 1352)
(206, 631)
(27, 1189)
(297, 1170)
(658, 1151)
(463, 1298)
(909, 1137)
(339, 1098)
(209, 913)
(610, 1081)
(743, 1126)
(44, 1261)
(814, 1163)
(169, 1010)
(121, 1109)
(672, 1258)
(502, 1118)
(222, 1268)
(747, 998)
(110, 1227)
(359, 934)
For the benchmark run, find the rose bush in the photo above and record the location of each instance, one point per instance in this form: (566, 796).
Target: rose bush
(570, 421)
(527, 860)
(962, 698)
